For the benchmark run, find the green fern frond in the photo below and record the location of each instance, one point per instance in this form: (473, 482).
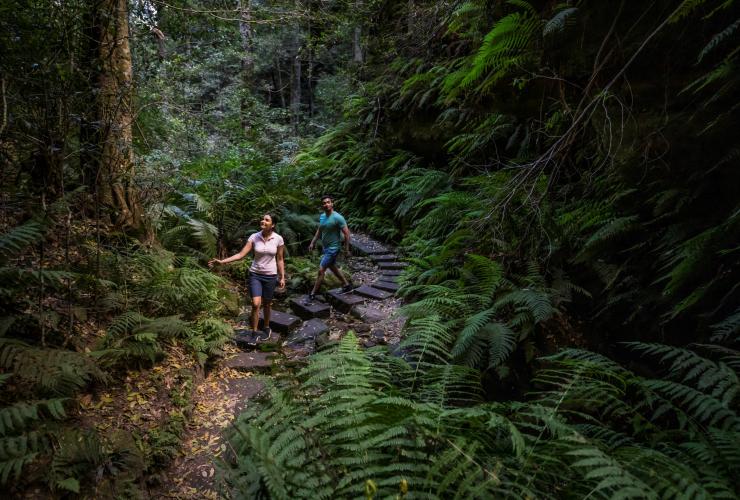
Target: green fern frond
(727, 329)
(17, 417)
(700, 407)
(535, 302)
(688, 367)
(718, 39)
(55, 370)
(20, 237)
(559, 21)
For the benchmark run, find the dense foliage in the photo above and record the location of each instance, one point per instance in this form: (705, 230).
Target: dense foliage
(561, 177)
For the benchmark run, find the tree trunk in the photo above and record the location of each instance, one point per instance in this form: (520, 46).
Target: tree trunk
(114, 179)
(357, 35)
(357, 57)
(279, 72)
(295, 82)
(245, 30)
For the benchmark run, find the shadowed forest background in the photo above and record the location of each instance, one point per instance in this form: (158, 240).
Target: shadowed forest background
(561, 177)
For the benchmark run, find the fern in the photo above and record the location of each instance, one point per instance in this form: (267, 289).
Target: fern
(20, 237)
(718, 39)
(559, 21)
(52, 370)
(18, 416)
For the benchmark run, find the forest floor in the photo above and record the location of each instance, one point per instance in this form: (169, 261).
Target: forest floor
(225, 391)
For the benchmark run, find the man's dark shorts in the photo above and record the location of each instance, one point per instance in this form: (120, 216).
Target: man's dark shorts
(262, 285)
(329, 257)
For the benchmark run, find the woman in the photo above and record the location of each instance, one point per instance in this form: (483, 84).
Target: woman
(267, 270)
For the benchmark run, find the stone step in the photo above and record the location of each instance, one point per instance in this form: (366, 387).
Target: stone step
(279, 321)
(384, 257)
(368, 314)
(306, 309)
(392, 265)
(307, 334)
(366, 246)
(250, 361)
(373, 293)
(389, 279)
(390, 273)
(248, 340)
(387, 286)
(344, 301)
(244, 338)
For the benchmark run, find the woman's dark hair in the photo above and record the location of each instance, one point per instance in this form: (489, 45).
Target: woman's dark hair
(272, 218)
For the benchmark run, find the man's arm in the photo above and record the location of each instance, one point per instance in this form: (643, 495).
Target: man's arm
(347, 237)
(315, 237)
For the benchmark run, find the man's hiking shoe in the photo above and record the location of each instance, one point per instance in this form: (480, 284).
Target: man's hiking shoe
(348, 288)
(311, 298)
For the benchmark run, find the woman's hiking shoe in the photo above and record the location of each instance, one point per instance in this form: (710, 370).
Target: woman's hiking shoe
(264, 335)
(245, 338)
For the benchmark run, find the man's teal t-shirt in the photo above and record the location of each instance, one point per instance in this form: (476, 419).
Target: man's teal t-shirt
(331, 229)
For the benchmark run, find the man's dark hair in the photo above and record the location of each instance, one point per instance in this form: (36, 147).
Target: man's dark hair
(323, 197)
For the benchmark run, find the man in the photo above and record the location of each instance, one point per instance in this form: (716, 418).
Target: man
(331, 226)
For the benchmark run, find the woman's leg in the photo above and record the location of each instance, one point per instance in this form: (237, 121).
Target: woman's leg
(266, 313)
(256, 301)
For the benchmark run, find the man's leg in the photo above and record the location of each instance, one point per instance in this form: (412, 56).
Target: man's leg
(319, 280)
(339, 274)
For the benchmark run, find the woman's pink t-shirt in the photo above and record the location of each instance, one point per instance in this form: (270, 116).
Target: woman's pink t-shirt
(265, 251)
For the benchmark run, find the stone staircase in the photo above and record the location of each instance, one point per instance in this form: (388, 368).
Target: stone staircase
(312, 323)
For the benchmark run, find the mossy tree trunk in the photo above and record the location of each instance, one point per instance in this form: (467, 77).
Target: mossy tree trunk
(113, 184)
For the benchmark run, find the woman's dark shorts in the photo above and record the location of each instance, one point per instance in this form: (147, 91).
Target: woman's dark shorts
(262, 285)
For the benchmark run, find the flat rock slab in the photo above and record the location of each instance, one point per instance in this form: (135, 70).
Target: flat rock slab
(392, 265)
(344, 301)
(281, 321)
(244, 338)
(390, 273)
(384, 257)
(373, 293)
(250, 361)
(307, 332)
(368, 314)
(367, 246)
(387, 286)
(309, 309)
(389, 279)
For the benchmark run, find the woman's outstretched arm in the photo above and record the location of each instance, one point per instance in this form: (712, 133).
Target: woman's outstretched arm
(238, 256)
